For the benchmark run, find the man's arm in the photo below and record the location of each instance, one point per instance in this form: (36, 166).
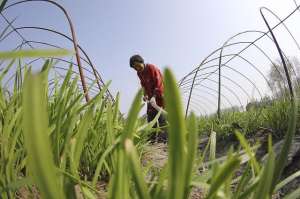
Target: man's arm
(158, 81)
(145, 96)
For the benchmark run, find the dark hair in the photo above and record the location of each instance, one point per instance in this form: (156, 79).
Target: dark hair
(135, 58)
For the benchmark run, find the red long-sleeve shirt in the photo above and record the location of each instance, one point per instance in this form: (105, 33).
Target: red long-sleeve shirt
(152, 82)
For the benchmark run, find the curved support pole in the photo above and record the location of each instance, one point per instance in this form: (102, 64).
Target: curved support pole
(287, 29)
(47, 44)
(245, 92)
(52, 81)
(73, 36)
(211, 89)
(227, 88)
(231, 68)
(280, 54)
(206, 99)
(234, 82)
(203, 100)
(247, 61)
(202, 63)
(296, 4)
(238, 54)
(201, 104)
(240, 51)
(96, 73)
(200, 109)
(69, 62)
(291, 130)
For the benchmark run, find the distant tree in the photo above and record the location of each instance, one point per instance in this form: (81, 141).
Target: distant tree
(232, 109)
(277, 77)
(263, 103)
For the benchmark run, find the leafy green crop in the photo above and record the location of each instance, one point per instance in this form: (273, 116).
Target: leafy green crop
(57, 142)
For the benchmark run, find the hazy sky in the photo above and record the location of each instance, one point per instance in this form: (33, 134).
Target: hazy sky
(173, 33)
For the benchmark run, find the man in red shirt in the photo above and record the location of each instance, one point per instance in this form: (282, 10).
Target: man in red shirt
(152, 82)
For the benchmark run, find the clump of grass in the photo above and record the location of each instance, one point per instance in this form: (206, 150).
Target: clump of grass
(274, 117)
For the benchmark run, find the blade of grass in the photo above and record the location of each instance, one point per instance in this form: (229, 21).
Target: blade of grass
(2, 5)
(243, 182)
(281, 161)
(100, 163)
(294, 195)
(264, 187)
(177, 134)
(35, 124)
(136, 170)
(34, 53)
(132, 117)
(248, 150)
(223, 173)
(192, 149)
(287, 180)
(212, 148)
(79, 138)
(120, 183)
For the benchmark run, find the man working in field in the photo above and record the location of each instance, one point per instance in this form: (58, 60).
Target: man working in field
(152, 83)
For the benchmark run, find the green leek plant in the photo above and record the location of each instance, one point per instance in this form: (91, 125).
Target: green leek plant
(57, 143)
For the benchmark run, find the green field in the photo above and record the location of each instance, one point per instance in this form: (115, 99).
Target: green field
(52, 145)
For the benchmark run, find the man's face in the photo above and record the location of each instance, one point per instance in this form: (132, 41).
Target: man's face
(138, 66)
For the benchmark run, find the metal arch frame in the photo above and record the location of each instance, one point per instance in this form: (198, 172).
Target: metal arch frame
(51, 45)
(279, 51)
(211, 89)
(242, 75)
(234, 82)
(230, 90)
(212, 104)
(200, 109)
(250, 44)
(209, 101)
(10, 24)
(291, 131)
(50, 30)
(229, 79)
(239, 52)
(287, 29)
(73, 36)
(244, 59)
(297, 6)
(228, 45)
(235, 55)
(197, 70)
(221, 53)
(51, 83)
(215, 51)
(270, 30)
(204, 107)
(96, 73)
(60, 59)
(54, 58)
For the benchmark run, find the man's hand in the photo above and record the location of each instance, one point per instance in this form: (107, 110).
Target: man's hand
(152, 101)
(145, 98)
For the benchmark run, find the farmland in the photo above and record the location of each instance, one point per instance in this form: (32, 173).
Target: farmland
(64, 135)
(85, 143)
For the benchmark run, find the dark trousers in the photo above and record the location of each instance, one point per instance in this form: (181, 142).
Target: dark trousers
(161, 120)
(162, 135)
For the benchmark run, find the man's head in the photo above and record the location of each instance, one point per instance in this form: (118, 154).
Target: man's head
(137, 62)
